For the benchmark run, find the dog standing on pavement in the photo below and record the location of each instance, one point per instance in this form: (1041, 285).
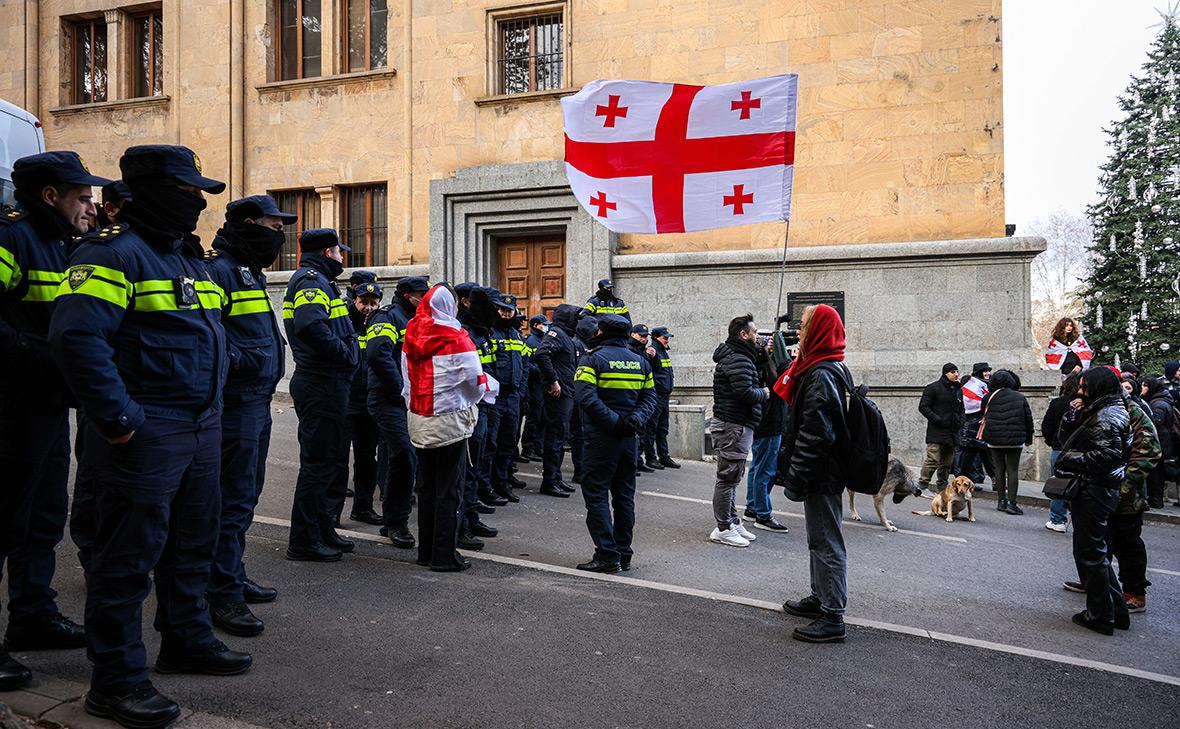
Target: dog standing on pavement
(951, 501)
(899, 482)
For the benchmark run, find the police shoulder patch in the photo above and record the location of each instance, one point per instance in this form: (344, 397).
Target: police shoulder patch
(309, 294)
(13, 215)
(109, 233)
(79, 275)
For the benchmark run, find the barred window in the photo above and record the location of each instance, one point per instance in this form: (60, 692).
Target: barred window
(305, 204)
(365, 40)
(90, 61)
(529, 54)
(147, 53)
(300, 39)
(363, 212)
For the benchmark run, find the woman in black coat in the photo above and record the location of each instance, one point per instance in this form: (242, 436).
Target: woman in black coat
(1159, 406)
(1007, 429)
(1098, 454)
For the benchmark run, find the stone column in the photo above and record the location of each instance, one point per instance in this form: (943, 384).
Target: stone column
(329, 43)
(118, 75)
(33, 57)
(327, 195)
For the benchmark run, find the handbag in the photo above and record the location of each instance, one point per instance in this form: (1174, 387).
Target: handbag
(983, 420)
(1064, 488)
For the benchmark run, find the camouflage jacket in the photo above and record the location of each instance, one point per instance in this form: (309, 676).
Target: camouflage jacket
(1145, 456)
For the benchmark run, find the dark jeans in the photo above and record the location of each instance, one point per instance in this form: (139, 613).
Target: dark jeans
(823, 512)
(1124, 536)
(245, 442)
(34, 470)
(320, 403)
(1092, 510)
(156, 510)
(506, 439)
(558, 411)
(1007, 463)
(402, 460)
(972, 456)
(365, 436)
(608, 488)
(440, 473)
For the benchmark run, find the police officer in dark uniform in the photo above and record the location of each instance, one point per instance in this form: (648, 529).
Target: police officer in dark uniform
(362, 429)
(615, 390)
(640, 343)
(138, 336)
(249, 241)
(585, 331)
(534, 417)
(556, 360)
(605, 302)
(512, 374)
(326, 353)
(55, 197)
(476, 314)
(387, 406)
(355, 279)
(665, 380)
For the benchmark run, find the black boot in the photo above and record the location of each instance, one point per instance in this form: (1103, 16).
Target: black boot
(401, 538)
(516, 483)
(235, 618)
(313, 553)
(468, 541)
(1013, 508)
(808, 607)
(642, 467)
(827, 628)
(653, 463)
(669, 463)
(214, 659)
(552, 490)
(483, 508)
(366, 516)
(337, 542)
(506, 493)
(143, 708)
(492, 498)
(479, 529)
(1001, 504)
(256, 594)
(52, 632)
(13, 674)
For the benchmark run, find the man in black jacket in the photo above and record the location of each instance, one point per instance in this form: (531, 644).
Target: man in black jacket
(665, 378)
(942, 406)
(555, 360)
(738, 395)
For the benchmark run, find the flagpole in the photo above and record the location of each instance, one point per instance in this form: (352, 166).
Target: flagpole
(782, 275)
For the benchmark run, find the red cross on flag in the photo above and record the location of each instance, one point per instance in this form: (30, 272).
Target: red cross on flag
(648, 157)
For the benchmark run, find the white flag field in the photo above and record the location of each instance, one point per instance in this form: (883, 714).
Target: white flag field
(648, 157)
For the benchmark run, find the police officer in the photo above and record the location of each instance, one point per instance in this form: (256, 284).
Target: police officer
(534, 425)
(665, 379)
(362, 429)
(512, 374)
(326, 353)
(640, 344)
(476, 318)
(614, 387)
(605, 302)
(387, 406)
(556, 360)
(114, 196)
(355, 279)
(583, 333)
(249, 241)
(138, 336)
(54, 196)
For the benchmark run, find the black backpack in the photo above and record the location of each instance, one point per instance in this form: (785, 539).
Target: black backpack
(865, 447)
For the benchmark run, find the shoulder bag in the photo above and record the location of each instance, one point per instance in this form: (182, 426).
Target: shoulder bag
(1064, 488)
(983, 420)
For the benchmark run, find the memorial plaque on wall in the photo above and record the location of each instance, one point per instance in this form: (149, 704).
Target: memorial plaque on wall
(798, 302)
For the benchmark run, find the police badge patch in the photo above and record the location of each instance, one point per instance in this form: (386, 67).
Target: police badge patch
(79, 275)
(246, 276)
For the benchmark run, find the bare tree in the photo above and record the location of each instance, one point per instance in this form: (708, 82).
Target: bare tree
(1057, 273)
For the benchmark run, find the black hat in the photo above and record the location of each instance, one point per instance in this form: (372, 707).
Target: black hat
(361, 276)
(318, 239)
(641, 330)
(257, 206)
(613, 325)
(979, 368)
(116, 191)
(537, 319)
(368, 288)
(661, 332)
(950, 367)
(1170, 369)
(53, 168)
(463, 290)
(150, 162)
(606, 284)
(412, 284)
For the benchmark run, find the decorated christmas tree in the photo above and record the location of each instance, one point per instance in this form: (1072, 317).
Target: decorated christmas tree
(1132, 290)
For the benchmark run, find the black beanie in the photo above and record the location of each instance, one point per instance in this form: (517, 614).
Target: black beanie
(949, 367)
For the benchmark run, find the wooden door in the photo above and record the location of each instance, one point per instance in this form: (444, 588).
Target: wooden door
(533, 270)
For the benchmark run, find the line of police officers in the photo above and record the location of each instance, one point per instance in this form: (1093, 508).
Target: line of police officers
(171, 359)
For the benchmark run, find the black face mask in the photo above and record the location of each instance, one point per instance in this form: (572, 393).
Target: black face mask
(335, 268)
(162, 210)
(258, 244)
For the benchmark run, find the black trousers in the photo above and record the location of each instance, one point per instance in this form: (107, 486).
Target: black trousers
(577, 439)
(1156, 485)
(440, 473)
(1124, 536)
(363, 434)
(401, 463)
(471, 483)
(507, 437)
(534, 419)
(558, 411)
(1092, 510)
(608, 488)
(34, 471)
(320, 403)
(661, 419)
(82, 515)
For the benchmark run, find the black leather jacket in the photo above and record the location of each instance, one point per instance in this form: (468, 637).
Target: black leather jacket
(1100, 452)
(810, 434)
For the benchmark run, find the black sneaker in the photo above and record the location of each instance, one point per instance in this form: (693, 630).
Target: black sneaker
(142, 708)
(808, 607)
(1001, 504)
(749, 515)
(1074, 586)
(642, 467)
(49, 633)
(625, 564)
(770, 524)
(1014, 509)
(653, 464)
(669, 463)
(483, 508)
(825, 629)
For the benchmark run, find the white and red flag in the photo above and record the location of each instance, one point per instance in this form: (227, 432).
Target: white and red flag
(442, 370)
(974, 390)
(648, 157)
(1055, 353)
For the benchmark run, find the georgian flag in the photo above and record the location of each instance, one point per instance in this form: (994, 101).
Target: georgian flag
(443, 371)
(974, 391)
(1056, 351)
(648, 157)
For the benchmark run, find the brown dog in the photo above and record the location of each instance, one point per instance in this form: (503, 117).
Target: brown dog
(950, 501)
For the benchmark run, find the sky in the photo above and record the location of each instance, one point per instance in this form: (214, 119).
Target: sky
(1065, 63)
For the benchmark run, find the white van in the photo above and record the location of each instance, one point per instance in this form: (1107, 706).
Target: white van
(20, 136)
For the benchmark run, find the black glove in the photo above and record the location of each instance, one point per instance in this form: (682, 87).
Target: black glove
(624, 428)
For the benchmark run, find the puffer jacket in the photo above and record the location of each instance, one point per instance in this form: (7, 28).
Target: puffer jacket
(737, 392)
(942, 406)
(811, 433)
(1102, 448)
(1008, 420)
(1051, 423)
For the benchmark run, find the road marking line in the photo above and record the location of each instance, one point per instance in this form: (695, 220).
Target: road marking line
(1163, 571)
(774, 607)
(863, 525)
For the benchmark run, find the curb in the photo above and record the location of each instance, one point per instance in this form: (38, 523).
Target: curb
(1149, 516)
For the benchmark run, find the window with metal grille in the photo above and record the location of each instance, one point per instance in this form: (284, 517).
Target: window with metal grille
(363, 212)
(305, 204)
(90, 61)
(147, 53)
(530, 54)
(300, 39)
(365, 40)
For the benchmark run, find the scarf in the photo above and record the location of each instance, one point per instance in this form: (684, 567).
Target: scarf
(255, 245)
(163, 213)
(825, 343)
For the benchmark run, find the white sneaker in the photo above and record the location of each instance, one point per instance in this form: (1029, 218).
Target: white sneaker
(746, 533)
(729, 538)
(1059, 528)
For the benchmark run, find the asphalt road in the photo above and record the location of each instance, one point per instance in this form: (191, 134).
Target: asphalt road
(375, 641)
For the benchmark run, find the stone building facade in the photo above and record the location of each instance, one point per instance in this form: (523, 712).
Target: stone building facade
(430, 133)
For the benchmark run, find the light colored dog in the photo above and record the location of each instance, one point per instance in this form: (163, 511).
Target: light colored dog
(950, 502)
(899, 482)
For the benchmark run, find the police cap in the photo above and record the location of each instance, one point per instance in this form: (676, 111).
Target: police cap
(606, 284)
(318, 239)
(257, 206)
(537, 319)
(116, 191)
(412, 284)
(361, 276)
(613, 325)
(661, 332)
(52, 168)
(151, 162)
(369, 288)
(463, 290)
(505, 301)
(640, 329)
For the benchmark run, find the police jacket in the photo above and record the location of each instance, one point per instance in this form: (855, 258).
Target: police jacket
(531, 344)
(737, 388)
(598, 305)
(556, 358)
(942, 406)
(612, 385)
(811, 431)
(323, 340)
(358, 392)
(665, 379)
(253, 341)
(481, 337)
(510, 369)
(1102, 448)
(32, 266)
(137, 330)
(382, 357)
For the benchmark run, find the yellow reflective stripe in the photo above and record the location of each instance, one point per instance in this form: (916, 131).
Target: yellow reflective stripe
(586, 374)
(107, 284)
(487, 358)
(339, 309)
(311, 296)
(10, 274)
(363, 340)
(666, 363)
(620, 385)
(381, 329)
(250, 301)
(590, 308)
(43, 285)
(247, 295)
(288, 310)
(649, 383)
(621, 375)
